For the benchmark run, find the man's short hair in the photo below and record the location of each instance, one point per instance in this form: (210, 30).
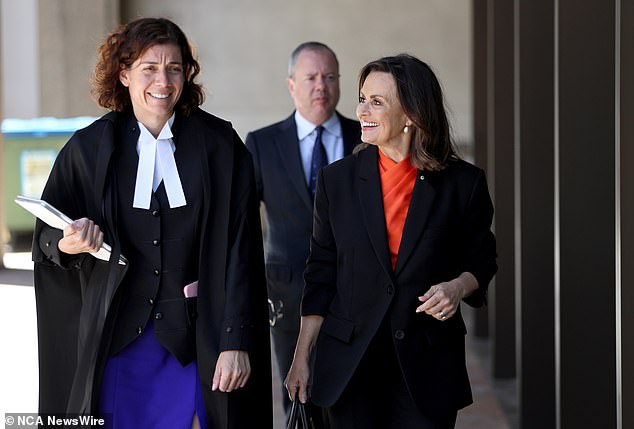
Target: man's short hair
(315, 46)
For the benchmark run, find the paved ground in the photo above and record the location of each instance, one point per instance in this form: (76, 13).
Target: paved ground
(494, 406)
(18, 345)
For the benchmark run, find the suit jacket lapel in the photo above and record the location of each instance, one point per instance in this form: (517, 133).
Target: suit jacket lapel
(417, 215)
(288, 148)
(351, 134)
(372, 205)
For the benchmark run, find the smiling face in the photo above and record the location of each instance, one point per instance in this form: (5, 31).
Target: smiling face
(381, 114)
(155, 81)
(314, 85)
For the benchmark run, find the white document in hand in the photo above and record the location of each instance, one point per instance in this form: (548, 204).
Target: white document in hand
(56, 219)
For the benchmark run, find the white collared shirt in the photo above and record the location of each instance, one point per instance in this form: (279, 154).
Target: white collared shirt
(331, 138)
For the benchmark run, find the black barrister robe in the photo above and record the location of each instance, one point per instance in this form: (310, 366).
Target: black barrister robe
(75, 296)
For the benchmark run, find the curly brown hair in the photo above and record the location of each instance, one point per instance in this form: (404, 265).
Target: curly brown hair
(421, 98)
(125, 45)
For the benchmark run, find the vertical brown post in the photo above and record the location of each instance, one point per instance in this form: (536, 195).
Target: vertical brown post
(585, 227)
(479, 61)
(535, 143)
(625, 226)
(501, 171)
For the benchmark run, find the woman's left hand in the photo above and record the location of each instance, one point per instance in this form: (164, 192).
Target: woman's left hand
(441, 301)
(232, 370)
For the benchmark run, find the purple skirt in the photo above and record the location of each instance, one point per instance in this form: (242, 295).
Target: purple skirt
(144, 386)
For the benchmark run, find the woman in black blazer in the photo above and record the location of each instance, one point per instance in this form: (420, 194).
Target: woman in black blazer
(401, 235)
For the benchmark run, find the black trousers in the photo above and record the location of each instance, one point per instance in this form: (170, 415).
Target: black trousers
(377, 396)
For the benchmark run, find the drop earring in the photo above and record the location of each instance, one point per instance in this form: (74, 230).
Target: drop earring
(406, 129)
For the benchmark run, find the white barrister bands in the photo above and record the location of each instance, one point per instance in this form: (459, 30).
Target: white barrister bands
(156, 164)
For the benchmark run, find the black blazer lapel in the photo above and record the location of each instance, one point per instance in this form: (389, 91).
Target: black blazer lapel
(417, 215)
(371, 200)
(288, 148)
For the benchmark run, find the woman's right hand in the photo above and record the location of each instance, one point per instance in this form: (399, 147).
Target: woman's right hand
(297, 379)
(82, 235)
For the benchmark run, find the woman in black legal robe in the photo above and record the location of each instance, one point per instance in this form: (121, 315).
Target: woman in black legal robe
(171, 188)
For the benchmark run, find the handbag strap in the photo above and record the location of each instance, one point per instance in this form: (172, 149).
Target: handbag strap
(298, 418)
(293, 417)
(303, 417)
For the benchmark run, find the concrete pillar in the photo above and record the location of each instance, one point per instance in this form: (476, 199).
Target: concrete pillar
(69, 33)
(2, 224)
(19, 51)
(585, 229)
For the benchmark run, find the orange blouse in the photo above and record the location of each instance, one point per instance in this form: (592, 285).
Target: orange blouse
(397, 185)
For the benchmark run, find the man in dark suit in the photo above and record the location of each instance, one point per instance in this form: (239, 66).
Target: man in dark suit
(287, 156)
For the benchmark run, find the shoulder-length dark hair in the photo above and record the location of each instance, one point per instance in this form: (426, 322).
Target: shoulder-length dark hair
(125, 45)
(421, 98)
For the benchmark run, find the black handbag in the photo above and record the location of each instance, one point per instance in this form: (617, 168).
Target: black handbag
(299, 418)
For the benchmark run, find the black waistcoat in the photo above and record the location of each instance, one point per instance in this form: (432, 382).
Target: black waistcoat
(161, 245)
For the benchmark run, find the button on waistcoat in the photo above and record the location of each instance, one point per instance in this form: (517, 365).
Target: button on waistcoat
(162, 245)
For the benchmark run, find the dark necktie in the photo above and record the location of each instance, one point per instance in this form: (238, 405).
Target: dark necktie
(318, 161)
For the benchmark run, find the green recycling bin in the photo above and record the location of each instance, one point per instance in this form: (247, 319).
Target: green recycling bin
(30, 149)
